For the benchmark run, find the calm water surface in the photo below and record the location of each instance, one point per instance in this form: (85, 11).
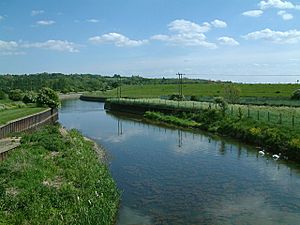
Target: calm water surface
(171, 176)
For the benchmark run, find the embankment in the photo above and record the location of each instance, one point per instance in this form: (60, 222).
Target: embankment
(54, 177)
(272, 138)
(92, 98)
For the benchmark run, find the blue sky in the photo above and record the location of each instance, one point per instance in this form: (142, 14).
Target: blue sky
(153, 38)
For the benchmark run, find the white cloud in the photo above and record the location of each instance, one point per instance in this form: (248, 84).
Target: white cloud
(8, 45)
(37, 12)
(228, 41)
(1, 17)
(279, 37)
(219, 24)
(9, 48)
(118, 39)
(92, 21)
(185, 26)
(279, 4)
(284, 15)
(56, 45)
(187, 33)
(45, 22)
(253, 13)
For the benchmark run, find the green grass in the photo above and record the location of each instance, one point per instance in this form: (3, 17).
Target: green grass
(278, 116)
(202, 89)
(56, 178)
(16, 113)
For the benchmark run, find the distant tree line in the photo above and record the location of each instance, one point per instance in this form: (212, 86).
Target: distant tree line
(77, 82)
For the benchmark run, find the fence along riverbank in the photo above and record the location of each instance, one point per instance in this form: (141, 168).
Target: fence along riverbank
(30, 122)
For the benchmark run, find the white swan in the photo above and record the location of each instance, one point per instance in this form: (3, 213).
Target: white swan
(261, 153)
(275, 157)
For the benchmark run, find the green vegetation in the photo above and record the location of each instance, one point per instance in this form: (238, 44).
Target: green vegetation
(47, 97)
(76, 82)
(296, 95)
(15, 95)
(284, 142)
(203, 89)
(231, 93)
(29, 97)
(281, 135)
(16, 113)
(171, 119)
(15, 109)
(55, 177)
(257, 94)
(283, 117)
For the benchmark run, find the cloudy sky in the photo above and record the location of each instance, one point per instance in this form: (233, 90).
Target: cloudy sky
(210, 39)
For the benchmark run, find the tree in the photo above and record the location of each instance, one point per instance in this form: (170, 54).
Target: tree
(48, 97)
(232, 93)
(15, 95)
(29, 97)
(296, 95)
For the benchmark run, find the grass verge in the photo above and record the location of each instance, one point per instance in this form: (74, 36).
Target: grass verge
(55, 178)
(16, 113)
(274, 139)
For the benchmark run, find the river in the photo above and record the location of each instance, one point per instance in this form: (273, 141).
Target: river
(170, 176)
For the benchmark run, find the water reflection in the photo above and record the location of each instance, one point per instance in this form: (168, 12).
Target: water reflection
(170, 176)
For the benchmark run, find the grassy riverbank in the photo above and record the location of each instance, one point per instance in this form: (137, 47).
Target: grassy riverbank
(284, 142)
(285, 117)
(277, 136)
(55, 177)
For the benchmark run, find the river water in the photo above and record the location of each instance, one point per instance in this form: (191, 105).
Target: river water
(170, 176)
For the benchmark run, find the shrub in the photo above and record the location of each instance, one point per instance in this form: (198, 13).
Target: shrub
(15, 95)
(48, 97)
(232, 93)
(194, 98)
(177, 97)
(296, 95)
(221, 103)
(29, 97)
(2, 95)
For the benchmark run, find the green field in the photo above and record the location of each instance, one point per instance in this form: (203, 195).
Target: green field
(202, 89)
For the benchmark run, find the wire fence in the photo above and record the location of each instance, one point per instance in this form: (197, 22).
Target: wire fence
(285, 116)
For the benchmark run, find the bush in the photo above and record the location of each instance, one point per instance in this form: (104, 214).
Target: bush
(232, 93)
(16, 95)
(177, 97)
(29, 97)
(221, 103)
(2, 95)
(296, 95)
(48, 97)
